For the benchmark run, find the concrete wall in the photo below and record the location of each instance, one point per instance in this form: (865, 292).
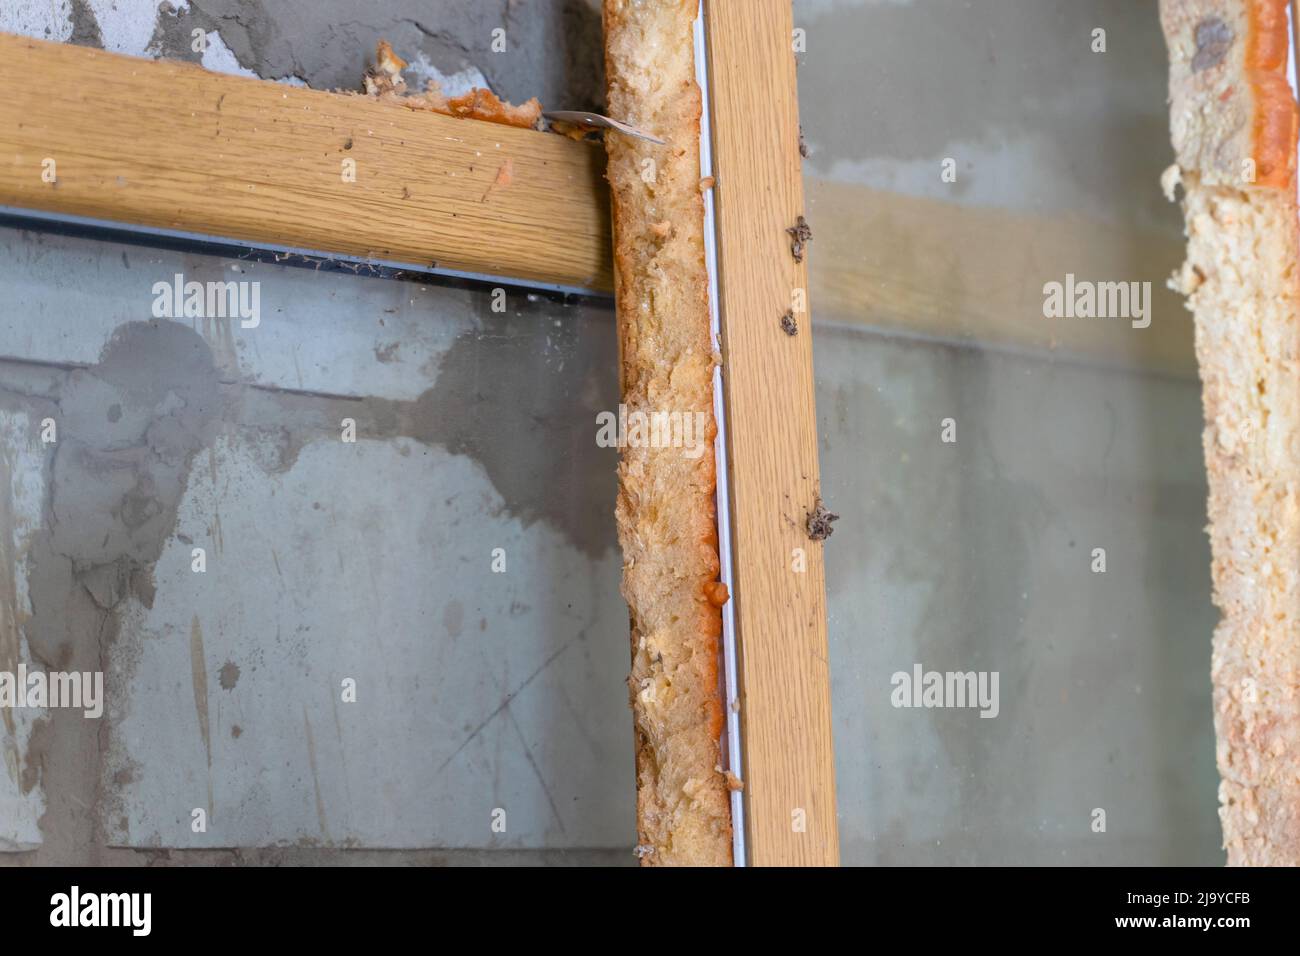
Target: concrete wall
(553, 48)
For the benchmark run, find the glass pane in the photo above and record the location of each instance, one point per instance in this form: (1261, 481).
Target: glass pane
(987, 458)
(346, 561)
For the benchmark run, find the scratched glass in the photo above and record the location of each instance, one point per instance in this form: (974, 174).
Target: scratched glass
(348, 554)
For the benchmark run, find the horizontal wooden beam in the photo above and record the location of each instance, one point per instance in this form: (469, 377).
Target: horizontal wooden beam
(975, 274)
(169, 145)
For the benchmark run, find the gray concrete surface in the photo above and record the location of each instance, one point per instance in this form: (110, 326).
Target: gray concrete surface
(326, 560)
(1010, 88)
(552, 47)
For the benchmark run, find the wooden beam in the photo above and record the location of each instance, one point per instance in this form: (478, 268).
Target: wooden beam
(169, 145)
(975, 274)
(789, 761)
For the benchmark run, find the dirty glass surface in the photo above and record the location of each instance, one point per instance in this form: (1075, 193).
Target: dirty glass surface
(345, 557)
(1022, 494)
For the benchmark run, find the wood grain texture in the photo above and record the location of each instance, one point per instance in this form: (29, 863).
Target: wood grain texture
(789, 761)
(170, 145)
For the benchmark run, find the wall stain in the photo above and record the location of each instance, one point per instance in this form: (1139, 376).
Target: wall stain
(453, 618)
(228, 676)
(315, 777)
(518, 395)
(199, 676)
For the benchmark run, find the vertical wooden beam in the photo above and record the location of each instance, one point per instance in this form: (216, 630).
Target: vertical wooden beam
(789, 762)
